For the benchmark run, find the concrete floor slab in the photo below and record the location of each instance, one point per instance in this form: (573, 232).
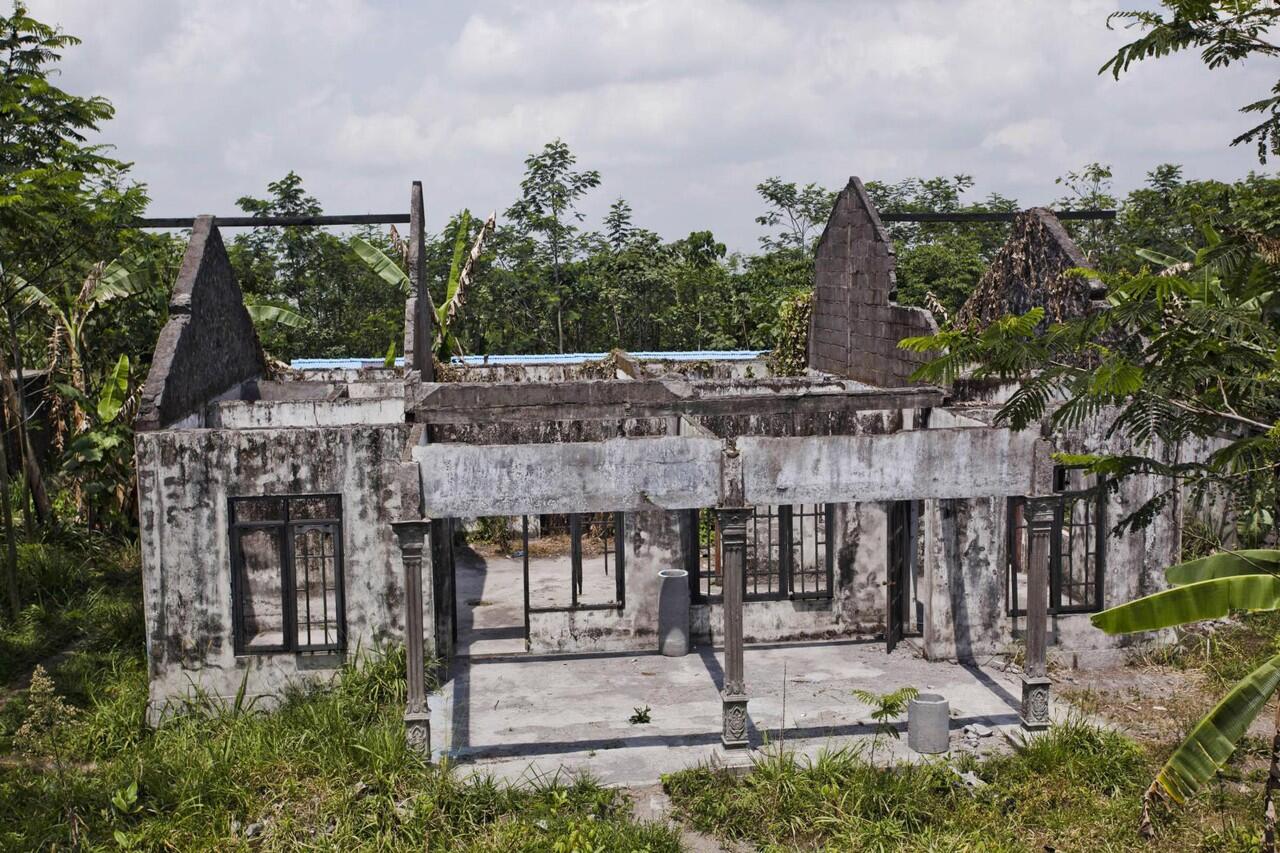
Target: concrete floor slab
(521, 717)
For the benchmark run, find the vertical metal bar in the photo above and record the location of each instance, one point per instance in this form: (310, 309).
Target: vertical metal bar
(1055, 558)
(829, 554)
(693, 553)
(575, 556)
(524, 537)
(289, 582)
(786, 556)
(620, 560)
(1100, 546)
(340, 594)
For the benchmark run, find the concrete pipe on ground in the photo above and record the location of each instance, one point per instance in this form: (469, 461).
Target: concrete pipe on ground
(929, 724)
(673, 613)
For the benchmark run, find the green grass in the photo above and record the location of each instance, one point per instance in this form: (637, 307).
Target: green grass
(329, 769)
(1077, 788)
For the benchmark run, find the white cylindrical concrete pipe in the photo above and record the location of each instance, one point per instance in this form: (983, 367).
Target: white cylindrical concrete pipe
(929, 724)
(673, 613)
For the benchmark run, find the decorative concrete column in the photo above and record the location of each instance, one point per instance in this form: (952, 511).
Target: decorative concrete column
(733, 699)
(1035, 681)
(417, 717)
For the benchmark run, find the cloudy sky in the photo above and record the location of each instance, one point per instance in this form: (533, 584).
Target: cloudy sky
(682, 106)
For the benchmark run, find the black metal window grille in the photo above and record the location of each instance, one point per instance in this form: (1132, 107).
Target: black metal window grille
(1074, 523)
(286, 574)
(595, 542)
(789, 553)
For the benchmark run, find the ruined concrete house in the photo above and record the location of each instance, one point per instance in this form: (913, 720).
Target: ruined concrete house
(292, 520)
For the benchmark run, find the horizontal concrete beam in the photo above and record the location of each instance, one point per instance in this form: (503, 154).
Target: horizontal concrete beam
(622, 474)
(910, 465)
(489, 402)
(629, 474)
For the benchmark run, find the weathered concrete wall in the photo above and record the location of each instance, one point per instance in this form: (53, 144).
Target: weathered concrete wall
(854, 329)
(653, 541)
(209, 343)
(624, 474)
(912, 464)
(966, 566)
(548, 432)
(281, 414)
(965, 578)
(184, 481)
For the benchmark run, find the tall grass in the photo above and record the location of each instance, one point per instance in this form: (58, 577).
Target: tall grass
(328, 769)
(1076, 788)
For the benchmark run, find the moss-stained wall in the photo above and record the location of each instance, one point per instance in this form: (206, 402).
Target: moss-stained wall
(184, 481)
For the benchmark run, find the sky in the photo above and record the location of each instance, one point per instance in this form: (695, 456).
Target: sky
(683, 107)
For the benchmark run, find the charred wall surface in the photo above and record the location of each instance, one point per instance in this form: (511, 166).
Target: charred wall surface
(209, 343)
(185, 479)
(1030, 271)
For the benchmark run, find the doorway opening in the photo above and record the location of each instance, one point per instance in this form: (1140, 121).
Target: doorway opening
(904, 608)
(508, 567)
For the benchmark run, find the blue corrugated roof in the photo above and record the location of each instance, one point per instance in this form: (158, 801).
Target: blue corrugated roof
(548, 358)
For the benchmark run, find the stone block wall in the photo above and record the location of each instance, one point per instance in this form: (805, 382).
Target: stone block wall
(855, 328)
(209, 343)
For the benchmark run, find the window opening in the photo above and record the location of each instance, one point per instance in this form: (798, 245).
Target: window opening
(287, 589)
(1071, 525)
(788, 553)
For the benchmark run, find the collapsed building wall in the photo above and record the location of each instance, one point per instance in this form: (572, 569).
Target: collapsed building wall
(209, 343)
(854, 328)
(1031, 270)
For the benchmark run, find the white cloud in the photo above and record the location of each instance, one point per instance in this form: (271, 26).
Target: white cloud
(683, 106)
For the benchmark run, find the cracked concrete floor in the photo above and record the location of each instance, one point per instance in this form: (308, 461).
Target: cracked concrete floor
(520, 717)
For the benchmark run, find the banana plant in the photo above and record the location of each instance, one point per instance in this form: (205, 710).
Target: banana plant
(1210, 588)
(121, 278)
(446, 343)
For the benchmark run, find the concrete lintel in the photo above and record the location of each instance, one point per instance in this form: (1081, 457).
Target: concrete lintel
(478, 403)
(915, 464)
(622, 474)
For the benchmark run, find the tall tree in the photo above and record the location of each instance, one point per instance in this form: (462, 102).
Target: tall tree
(798, 213)
(1224, 31)
(547, 208)
(62, 198)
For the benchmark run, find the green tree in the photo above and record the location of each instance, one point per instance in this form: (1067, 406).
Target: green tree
(343, 307)
(799, 213)
(939, 263)
(1224, 31)
(62, 200)
(547, 209)
(1189, 352)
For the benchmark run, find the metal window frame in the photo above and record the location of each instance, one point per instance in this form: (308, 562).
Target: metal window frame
(287, 526)
(1016, 506)
(785, 588)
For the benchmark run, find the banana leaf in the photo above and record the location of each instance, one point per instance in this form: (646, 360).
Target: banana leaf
(387, 269)
(455, 268)
(114, 391)
(121, 278)
(275, 315)
(390, 359)
(1195, 602)
(1214, 738)
(1261, 561)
